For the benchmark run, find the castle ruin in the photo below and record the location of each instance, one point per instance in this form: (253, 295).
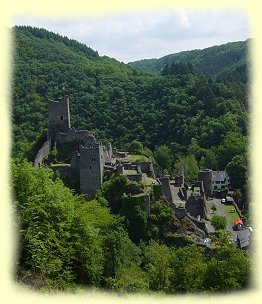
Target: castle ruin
(81, 158)
(88, 158)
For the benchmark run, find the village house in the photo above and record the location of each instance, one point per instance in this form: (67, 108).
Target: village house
(220, 180)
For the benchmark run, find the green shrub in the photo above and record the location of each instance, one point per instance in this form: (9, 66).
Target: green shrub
(219, 222)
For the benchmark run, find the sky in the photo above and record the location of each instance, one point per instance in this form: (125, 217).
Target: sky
(133, 36)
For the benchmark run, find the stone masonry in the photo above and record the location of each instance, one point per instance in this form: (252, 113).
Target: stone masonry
(87, 162)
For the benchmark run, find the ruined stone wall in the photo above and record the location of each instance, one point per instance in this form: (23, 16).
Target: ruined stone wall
(75, 165)
(184, 191)
(120, 169)
(106, 155)
(108, 152)
(205, 176)
(137, 168)
(165, 180)
(200, 184)
(83, 136)
(181, 194)
(159, 172)
(199, 224)
(195, 206)
(147, 167)
(42, 154)
(130, 166)
(91, 170)
(180, 212)
(127, 166)
(135, 177)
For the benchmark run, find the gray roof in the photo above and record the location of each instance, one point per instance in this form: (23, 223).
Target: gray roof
(243, 237)
(219, 175)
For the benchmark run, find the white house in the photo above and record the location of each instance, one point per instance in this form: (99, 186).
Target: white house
(220, 180)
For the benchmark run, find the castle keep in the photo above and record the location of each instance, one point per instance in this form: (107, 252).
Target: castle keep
(59, 117)
(88, 157)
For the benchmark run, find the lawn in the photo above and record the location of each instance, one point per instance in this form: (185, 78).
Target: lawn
(148, 181)
(231, 213)
(137, 158)
(59, 165)
(129, 172)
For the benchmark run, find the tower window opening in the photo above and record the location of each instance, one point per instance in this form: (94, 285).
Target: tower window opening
(90, 167)
(61, 117)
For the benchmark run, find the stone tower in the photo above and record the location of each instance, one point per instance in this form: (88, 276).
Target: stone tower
(89, 157)
(91, 166)
(59, 116)
(205, 175)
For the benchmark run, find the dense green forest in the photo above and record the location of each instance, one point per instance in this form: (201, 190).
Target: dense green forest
(184, 120)
(67, 242)
(227, 62)
(186, 117)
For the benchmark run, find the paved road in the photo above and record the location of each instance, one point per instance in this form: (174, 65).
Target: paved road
(220, 211)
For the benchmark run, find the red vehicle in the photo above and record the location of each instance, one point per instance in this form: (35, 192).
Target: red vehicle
(238, 224)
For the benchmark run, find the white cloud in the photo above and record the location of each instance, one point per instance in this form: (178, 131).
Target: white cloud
(185, 23)
(133, 36)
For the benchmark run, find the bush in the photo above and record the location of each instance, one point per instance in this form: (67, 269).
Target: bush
(52, 156)
(135, 147)
(219, 222)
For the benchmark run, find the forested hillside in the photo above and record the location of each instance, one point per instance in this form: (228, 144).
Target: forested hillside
(227, 62)
(183, 120)
(179, 114)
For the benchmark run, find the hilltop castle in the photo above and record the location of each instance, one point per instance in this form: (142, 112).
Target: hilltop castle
(88, 157)
(81, 158)
(78, 156)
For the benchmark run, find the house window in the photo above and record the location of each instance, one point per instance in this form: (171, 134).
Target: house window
(61, 117)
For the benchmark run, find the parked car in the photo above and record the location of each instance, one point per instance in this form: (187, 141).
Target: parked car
(223, 201)
(238, 225)
(229, 200)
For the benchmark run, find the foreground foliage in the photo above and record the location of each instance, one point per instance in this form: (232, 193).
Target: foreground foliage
(67, 242)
